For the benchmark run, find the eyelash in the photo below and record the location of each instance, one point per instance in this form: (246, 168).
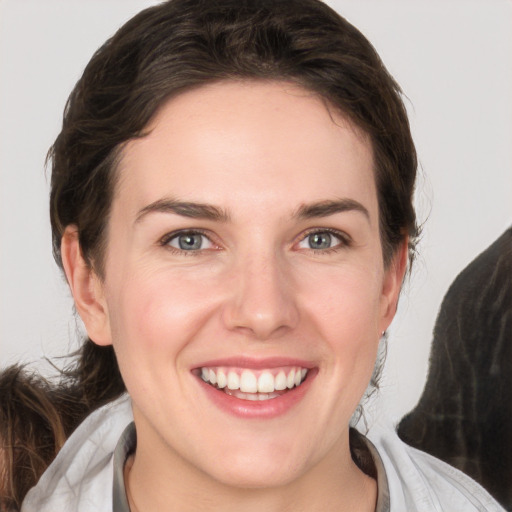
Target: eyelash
(166, 239)
(345, 240)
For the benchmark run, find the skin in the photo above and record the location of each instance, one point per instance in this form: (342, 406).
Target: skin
(258, 152)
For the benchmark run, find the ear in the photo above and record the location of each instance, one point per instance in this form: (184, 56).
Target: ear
(86, 287)
(392, 284)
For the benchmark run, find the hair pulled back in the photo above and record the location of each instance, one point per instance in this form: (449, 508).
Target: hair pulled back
(182, 44)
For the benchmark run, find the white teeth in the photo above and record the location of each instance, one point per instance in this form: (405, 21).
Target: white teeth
(280, 382)
(248, 382)
(266, 383)
(263, 387)
(233, 380)
(222, 380)
(290, 382)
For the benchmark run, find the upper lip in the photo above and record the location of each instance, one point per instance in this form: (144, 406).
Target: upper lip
(255, 363)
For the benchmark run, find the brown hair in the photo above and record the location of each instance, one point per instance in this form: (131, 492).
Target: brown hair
(182, 44)
(31, 433)
(36, 418)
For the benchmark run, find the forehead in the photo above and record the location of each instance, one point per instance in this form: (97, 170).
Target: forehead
(256, 142)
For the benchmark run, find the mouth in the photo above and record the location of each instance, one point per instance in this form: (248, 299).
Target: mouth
(254, 385)
(252, 389)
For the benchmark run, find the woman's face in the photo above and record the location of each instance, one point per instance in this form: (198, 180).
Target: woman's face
(244, 252)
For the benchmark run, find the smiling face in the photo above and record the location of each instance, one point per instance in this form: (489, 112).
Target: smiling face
(244, 288)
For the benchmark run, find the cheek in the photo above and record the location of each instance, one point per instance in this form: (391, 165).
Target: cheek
(345, 309)
(157, 311)
(154, 317)
(347, 300)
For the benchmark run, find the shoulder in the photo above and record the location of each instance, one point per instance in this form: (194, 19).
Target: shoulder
(81, 476)
(419, 482)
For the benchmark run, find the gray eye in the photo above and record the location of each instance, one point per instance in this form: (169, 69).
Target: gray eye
(320, 240)
(190, 242)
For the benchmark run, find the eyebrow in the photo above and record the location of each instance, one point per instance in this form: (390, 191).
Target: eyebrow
(209, 212)
(330, 207)
(185, 209)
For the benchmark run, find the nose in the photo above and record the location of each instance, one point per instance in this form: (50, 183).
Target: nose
(262, 302)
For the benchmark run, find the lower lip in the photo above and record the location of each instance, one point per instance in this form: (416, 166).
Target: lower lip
(264, 409)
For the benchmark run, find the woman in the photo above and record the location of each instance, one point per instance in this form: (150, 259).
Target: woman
(232, 206)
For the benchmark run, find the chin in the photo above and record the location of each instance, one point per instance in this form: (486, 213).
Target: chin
(258, 467)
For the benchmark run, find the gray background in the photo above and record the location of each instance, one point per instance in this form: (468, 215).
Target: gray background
(454, 62)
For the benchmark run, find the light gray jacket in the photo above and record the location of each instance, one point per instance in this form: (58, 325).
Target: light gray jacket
(81, 477)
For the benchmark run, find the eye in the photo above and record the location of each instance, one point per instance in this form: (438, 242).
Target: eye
(188, 241)
(322, 241)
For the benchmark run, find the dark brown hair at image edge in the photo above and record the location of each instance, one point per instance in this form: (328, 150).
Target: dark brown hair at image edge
(32, 431)
(463, 416)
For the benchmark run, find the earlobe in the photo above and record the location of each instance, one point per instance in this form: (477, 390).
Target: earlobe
(86, 287)
(393, 278)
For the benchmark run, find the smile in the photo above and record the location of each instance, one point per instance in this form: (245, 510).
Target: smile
(254, 385)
